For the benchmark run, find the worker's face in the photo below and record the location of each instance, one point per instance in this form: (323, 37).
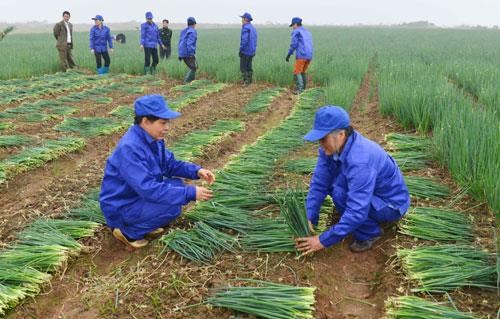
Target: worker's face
(244, 21)
(157, 129)
(66, 17)
(98, 22)
(295, 26)
(332, 143)
(165, 24)
(149, 20)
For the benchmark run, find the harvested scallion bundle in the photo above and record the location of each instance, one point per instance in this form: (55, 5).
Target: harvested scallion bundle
(14, 140)
(426, 188)
(192, 96)
(269, 241)
(292, 208)
(437, 225)
(192, 144)
(189, 245)
(43, 258)
(92, 126)
(218, 239)
(447, 267)
(402, 142)
(411, 307)
(301, 166)
(410, 160)
(266, 299)
(262, 100)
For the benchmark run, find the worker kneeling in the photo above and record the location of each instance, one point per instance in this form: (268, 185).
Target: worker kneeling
(141, 191)
(364, 182)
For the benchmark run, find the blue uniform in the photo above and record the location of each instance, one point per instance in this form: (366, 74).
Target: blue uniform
(150, 35)
(139, 192)
(187, 42)
(301, 44)
(248, 43)
(366, 186)
(100, 38)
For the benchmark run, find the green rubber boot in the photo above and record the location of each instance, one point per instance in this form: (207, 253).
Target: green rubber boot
(152, 70)
(147, 70)
(304, 80)
(299, 84)
(190, 76)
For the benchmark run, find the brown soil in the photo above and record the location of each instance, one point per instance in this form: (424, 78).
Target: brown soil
(112, 283)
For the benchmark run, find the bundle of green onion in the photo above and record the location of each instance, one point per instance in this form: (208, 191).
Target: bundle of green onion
(39, 155)
(411, 160)
(301, 166)
(426, 188)
(193, 96)
(193, 143)
(447, 267)
(266, 299)
(91, 126)
(437, 225)
(14, 140)
(403, 142)
(89, 209)
(194, 85)
(189, 245)
(292, 207)
(262, 100)
(410, 307)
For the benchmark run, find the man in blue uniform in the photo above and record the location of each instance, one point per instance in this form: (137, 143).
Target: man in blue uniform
(248, 46)
(187, 48)
(100, 38)
(302, 44)
(141, 191)
(364, 182)
(150, 39)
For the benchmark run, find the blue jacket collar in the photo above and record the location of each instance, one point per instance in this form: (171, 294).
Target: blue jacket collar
(347, 147)
(143, 134)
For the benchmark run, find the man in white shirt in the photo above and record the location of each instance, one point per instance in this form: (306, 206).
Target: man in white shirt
(63, 32)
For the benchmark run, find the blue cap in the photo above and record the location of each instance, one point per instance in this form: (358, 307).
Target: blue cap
(247, 16)
(156, 105)
(327, 119)
(191, 21)
(149, 15)
(98, 17)
(295, 20)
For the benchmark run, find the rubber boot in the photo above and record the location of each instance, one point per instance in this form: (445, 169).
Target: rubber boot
(105, 70)
(153, 70)
(190, 76)
(100, 71)
(249, 77)
(304, 81)
(146, 70)
(299, 82)
(244, 77)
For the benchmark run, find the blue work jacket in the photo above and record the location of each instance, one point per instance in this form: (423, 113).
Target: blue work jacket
(100, 38)
(248, 43)
(138, 172)
(301, 44)
(362, 178)
(187, 42)
(150, 35)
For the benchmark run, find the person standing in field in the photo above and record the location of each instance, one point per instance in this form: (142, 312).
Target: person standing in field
(248, 46)
(166, 40)
(364, 182)
(302, 44)
(63, 32)
(100, 38)
(141, 191)
(187, 49)
(150, 39)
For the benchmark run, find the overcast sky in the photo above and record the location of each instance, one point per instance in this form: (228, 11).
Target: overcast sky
(346, 12)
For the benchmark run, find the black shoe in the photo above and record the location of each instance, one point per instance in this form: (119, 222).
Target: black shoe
(360, 246)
